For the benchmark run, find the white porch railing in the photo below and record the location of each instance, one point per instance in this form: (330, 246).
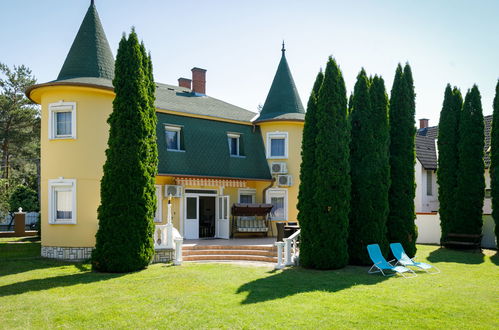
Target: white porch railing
(291, 251)
(168, 237)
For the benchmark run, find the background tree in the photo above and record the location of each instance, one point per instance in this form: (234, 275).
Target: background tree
(19, 132)
(306, 201)
(332, 172)
(24, 197)
(370, 168)
(124, 239)
(400, 224)
(448, 157)
(470, 175)
(494, 162)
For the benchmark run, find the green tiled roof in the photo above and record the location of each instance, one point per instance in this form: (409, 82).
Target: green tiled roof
(283, 97)
(90, 54)
(169, 97)
(206, 149)
(182, 99)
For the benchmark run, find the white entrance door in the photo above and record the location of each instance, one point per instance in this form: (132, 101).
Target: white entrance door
(222, 228)
(191, 230)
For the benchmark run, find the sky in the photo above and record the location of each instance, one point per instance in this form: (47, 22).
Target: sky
(239, 42)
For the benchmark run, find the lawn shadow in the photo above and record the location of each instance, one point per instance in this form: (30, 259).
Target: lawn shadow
(458, 256)
(495, 258)
(292, 281)
(56, 282)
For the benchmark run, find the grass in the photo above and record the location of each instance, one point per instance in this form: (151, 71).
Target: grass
(40, 293)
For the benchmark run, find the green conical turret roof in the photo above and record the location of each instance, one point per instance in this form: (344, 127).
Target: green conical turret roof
(283, 101)
(90, 54)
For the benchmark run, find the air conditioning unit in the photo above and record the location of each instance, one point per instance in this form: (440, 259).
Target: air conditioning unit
(284, 180)
(175, 191)
(278, 168)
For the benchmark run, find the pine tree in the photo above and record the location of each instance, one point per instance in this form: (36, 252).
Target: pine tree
(124, 239)
(470, 176)
(494, 162)
(332, 172)
(370, 168)
(400, 224)
(306, 192)
(448, 158)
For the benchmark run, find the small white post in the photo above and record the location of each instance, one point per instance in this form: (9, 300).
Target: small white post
(287, 252)
(178, 251)
(280, 246)
(169, 225)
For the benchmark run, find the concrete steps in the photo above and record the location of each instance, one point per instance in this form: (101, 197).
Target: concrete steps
(229, 253)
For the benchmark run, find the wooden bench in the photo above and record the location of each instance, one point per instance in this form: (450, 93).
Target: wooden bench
(465, 240)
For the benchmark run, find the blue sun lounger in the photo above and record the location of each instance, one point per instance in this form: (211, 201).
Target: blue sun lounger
(381, 265)
(404, 260)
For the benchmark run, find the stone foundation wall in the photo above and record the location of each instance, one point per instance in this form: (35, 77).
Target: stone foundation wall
(163, 255)
(67, 253)
(84, 253)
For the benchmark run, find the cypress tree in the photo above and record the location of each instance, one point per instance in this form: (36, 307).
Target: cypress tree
(124, 239)
(332, 172)
(470, 176)
(370, 168)
(494, 162)
(306, 192)
(400, 224)
(448, 158)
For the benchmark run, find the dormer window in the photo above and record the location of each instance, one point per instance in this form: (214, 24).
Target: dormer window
(234, 144)
(173, 137)
(62, 120)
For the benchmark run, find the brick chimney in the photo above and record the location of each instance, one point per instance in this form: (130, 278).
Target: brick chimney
(423, 123)
(184, 82)
(198, 80)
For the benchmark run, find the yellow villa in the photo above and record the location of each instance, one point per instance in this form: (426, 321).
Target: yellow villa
(211, 154)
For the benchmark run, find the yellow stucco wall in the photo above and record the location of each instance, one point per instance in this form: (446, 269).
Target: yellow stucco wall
(81, 159)
(295, 133)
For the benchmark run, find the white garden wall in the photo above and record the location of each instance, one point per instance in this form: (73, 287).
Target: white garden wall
(429, 230)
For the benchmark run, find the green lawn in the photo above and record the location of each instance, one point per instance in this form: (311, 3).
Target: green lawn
(39, 293)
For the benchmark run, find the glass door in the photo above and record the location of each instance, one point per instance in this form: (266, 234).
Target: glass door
(191, 229)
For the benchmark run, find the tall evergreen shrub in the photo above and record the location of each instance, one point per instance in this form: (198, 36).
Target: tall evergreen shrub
(370, 168)
(400, 224)
(306, 204)
(494, 162)
(448, 158)
(124, 239)
(470, 176)
(332, 172)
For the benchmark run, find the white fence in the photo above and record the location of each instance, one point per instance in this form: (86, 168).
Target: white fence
(429, 230)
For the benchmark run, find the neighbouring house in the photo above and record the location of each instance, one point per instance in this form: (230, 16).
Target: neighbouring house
(426, 167)
(426, 201)
(212, 154)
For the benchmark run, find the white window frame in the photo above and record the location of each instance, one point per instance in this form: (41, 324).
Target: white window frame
(238, 138)
(52, 126)
(277, 135)
(429, 183)
(247, 191)
(274, 192)
(158, 215)
(59, 185)
(178, 130)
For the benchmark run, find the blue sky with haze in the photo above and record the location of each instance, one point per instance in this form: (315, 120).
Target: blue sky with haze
(239, 42)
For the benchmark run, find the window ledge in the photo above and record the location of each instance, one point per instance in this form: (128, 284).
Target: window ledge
(175, 150)
(234, 156)
(69, 222)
